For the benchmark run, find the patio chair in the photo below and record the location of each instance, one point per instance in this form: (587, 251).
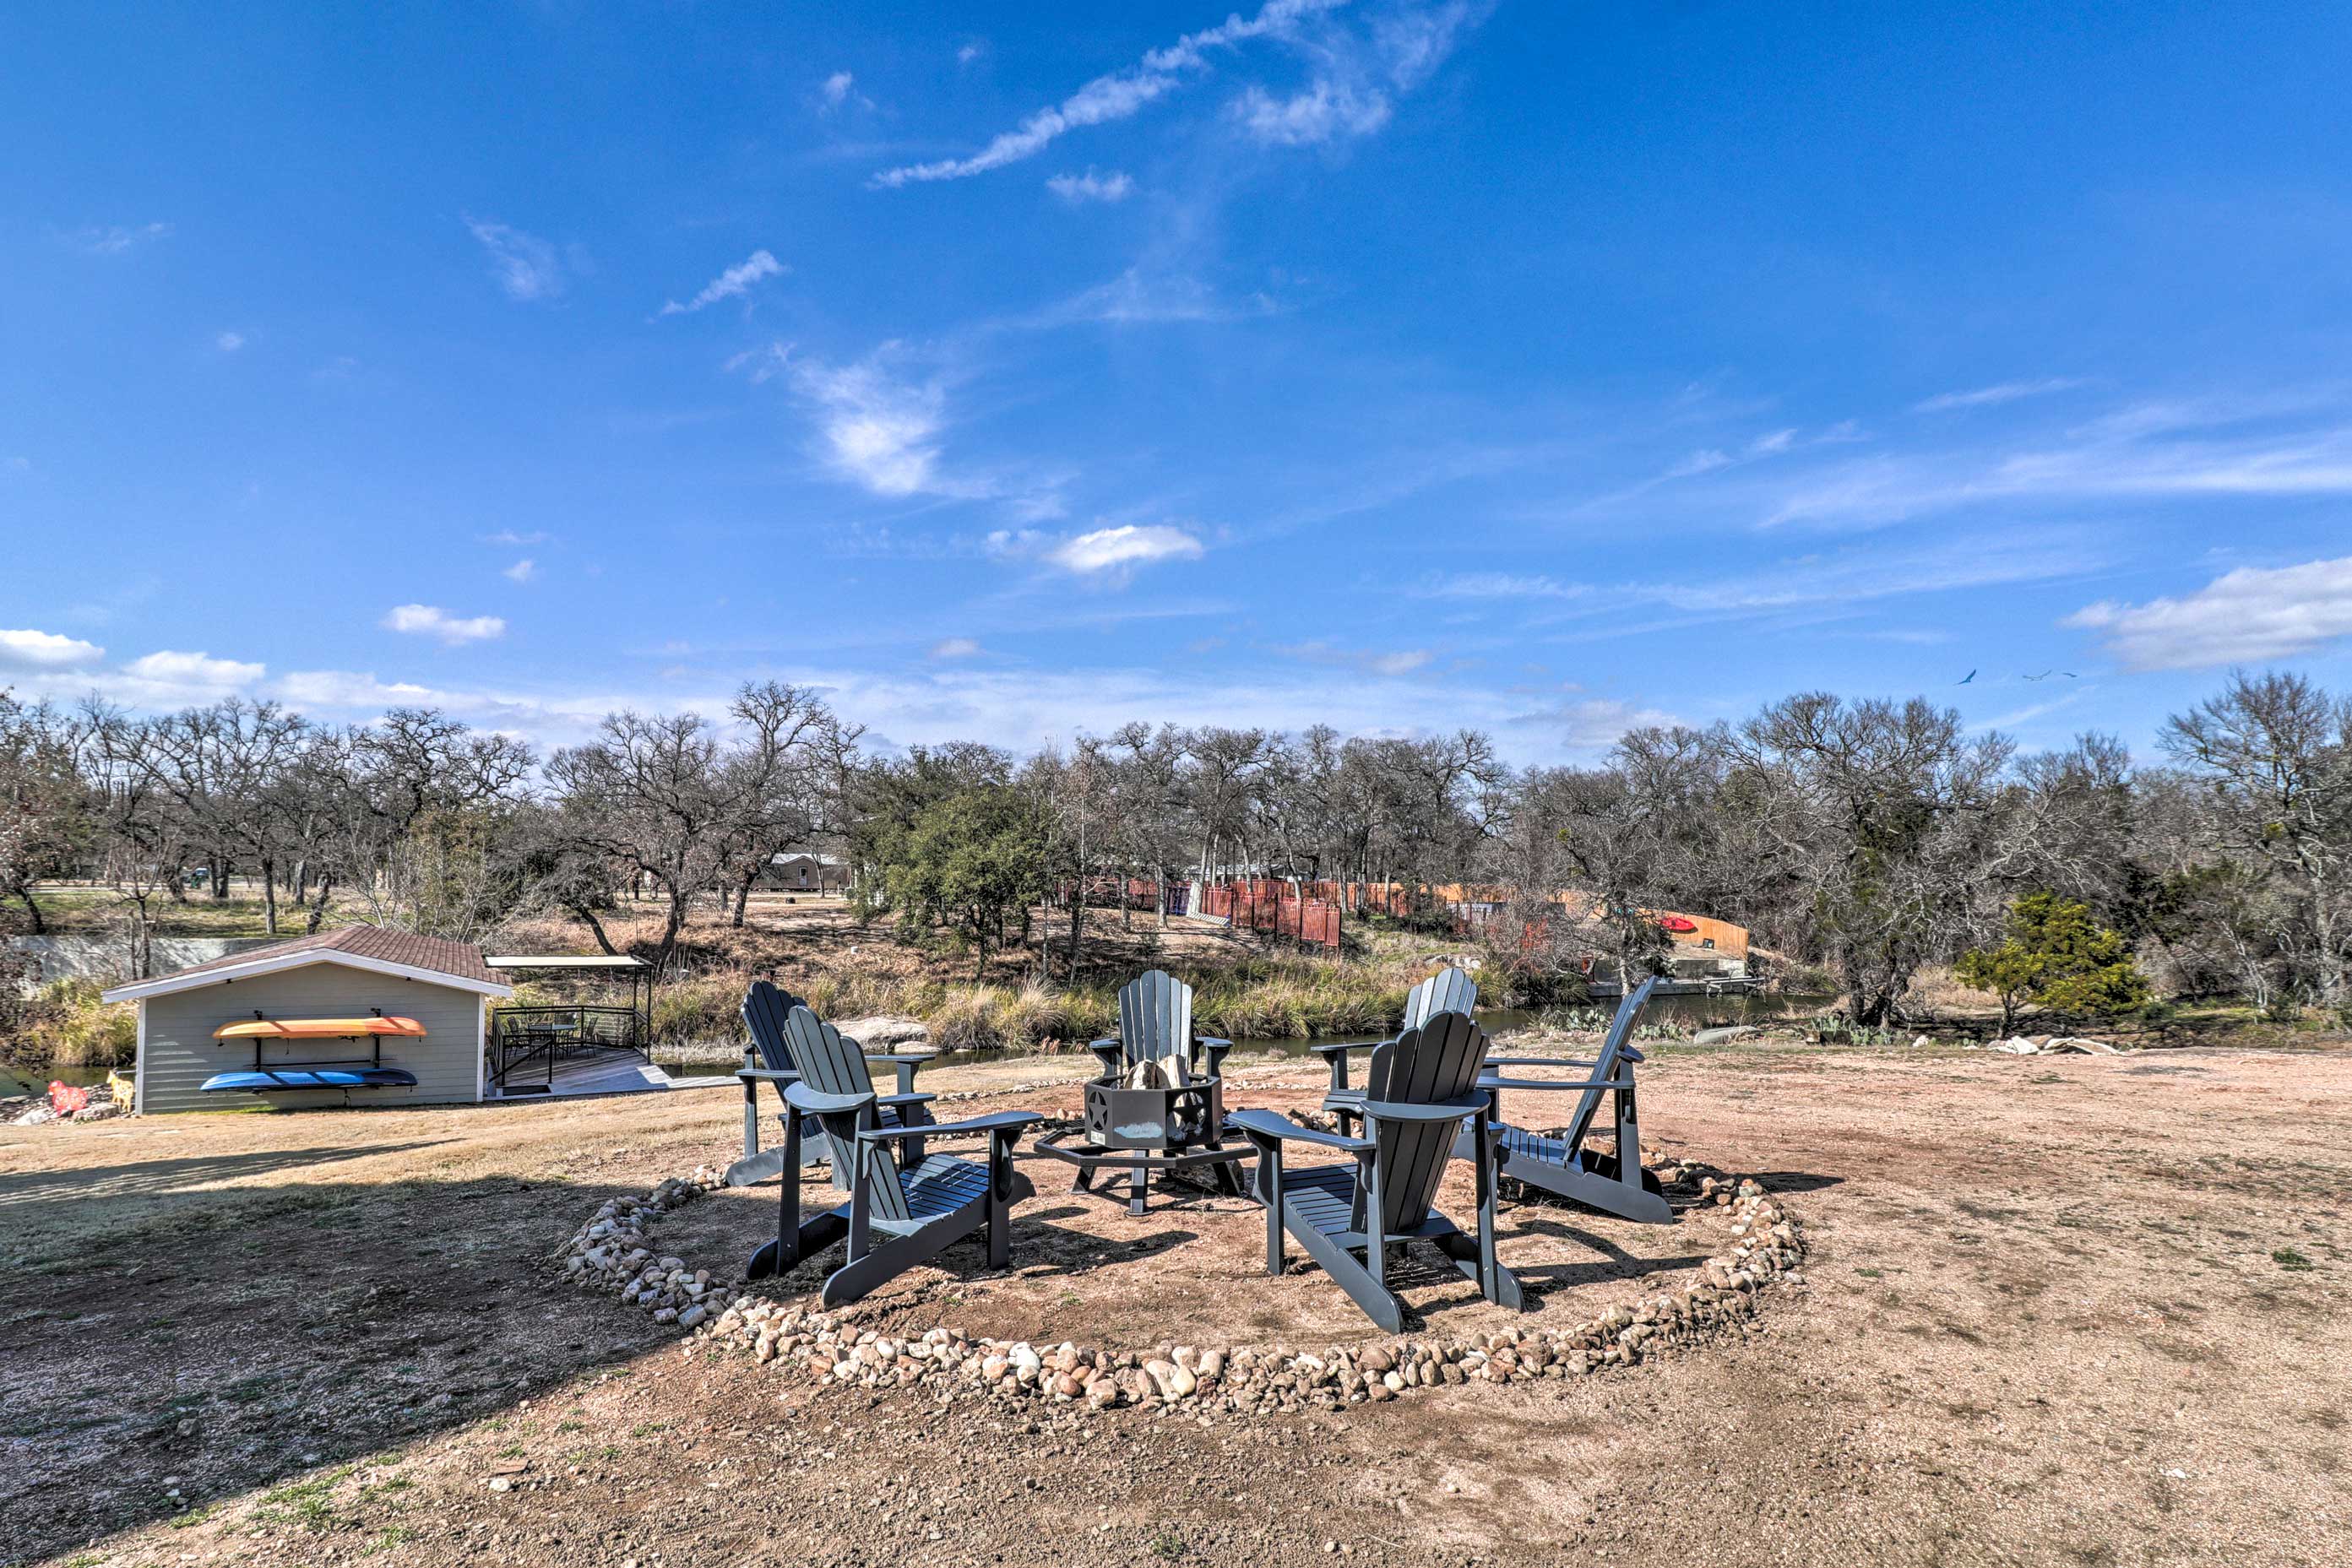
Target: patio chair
(1447, 991)
(1421, 1087)
(1613, 1182)
(767, 1013)
(1162, 1087)
(903, 1208)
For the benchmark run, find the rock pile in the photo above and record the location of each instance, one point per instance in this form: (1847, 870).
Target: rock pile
(613, 1251)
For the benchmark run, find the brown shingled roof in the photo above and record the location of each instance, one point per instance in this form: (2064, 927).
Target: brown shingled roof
(462, 959)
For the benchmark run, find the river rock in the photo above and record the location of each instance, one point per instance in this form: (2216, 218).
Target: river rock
(885, 1032)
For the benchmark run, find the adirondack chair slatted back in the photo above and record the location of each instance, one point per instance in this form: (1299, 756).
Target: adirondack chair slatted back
(766, 1007)
(1439, 1060)
(1447, 991)
(831, 1065)
(1612, 1056)
(1155, 1020)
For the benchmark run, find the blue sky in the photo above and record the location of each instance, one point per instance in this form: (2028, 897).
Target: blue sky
(1017, 370)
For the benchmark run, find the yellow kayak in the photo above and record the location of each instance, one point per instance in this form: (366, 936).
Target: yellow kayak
(320, 1029)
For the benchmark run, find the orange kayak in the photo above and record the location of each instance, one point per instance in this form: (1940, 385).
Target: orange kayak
(319, 1028)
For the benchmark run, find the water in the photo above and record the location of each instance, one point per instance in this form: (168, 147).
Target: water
(19, 1080)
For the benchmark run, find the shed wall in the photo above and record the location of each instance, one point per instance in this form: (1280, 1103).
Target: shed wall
(178, 1052)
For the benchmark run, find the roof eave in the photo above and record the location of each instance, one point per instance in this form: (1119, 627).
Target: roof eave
(273, 963)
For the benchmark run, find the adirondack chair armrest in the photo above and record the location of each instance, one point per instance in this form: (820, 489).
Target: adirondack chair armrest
(809, 1103)
(1435, 1111)
(898, 1058)
(1275, 1128)
(924, 1098)
(1214, 1050)
(766, 1075)
(1335, 1056)
(1540, 1062)
(1490, 1082)
(994, 1122)
(1110, 1053)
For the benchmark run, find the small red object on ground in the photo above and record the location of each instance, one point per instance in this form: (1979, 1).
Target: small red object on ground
(64, 1099)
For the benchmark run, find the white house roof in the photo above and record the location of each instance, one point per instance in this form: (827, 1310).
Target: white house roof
(588, 961)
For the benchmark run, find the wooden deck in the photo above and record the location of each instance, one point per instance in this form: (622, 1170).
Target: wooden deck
(614, 1074)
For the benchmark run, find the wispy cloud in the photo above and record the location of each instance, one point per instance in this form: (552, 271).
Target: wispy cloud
(736, 280)
(1506, 585)
(1123, 549)
(2005, 391)
(1116, 95)
(2246, 616)
(30, 650)
(168, 677)
(879, 431)
(428, 621)
(1317, 651)
(838, 91)
(522, 570)
(1353, 87)
(1078, 189)
(229, 342)
(525, 266)
(956, 648)
(510, 536)
(2143, 451)
(117, 239)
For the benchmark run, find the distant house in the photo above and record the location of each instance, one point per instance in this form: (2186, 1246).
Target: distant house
(806, 871)
(362, 1014)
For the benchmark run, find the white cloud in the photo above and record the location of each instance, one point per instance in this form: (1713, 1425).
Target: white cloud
(1588, 724)
(878, 431)
(840, 90)
(972, 53)
(115, 239)
(736, 279)
(1077, 189)
(34, 650)
(522, 570)
(1352, 90)
(1124, 547)
(1504, 585)
(956, 648)
(525, 266)
(427, 620)
(1115, 96)
(2006, 391)
(509, 536)
(229, 342)
(2249, 615)
(190, 677)
(345, 689)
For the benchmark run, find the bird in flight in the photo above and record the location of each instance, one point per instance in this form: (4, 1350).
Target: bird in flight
(1964, 680)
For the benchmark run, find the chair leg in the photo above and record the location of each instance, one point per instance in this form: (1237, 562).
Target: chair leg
(1489, 1268)
(1269, 1189)
(1000, 1200)
(1138, 1187)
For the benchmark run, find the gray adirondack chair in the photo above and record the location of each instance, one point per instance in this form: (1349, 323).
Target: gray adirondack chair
(1155, 1025)
(903, 1208)
(767, 1015)
(1613, 1181)
(1447, 991)
(1422, 1089)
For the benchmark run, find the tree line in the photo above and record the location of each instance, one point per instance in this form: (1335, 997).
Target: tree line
(1867, 838)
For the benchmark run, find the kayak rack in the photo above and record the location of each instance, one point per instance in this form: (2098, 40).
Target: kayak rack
(345, 1073)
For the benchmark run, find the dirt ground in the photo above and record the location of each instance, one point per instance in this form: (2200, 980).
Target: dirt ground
(2067, 1311)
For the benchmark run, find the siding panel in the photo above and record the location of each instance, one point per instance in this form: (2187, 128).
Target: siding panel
(180, 1052)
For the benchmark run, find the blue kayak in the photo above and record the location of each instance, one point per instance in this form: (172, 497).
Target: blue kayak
(269, 1079)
